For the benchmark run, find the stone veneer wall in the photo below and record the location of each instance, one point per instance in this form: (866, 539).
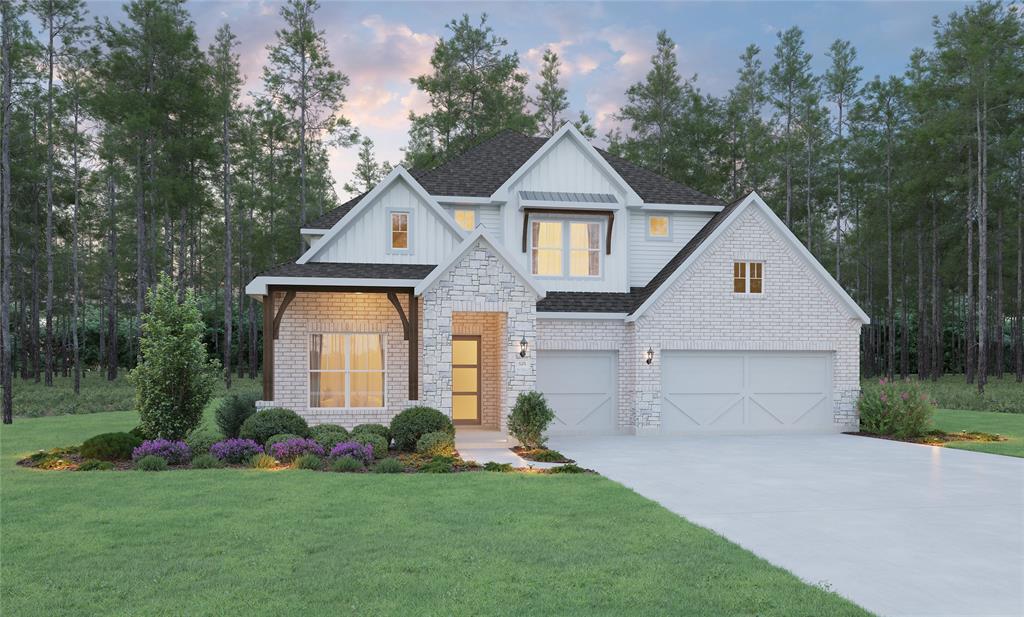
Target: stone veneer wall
(596, 335)
(796, 312)
(479, 282)
(490, 327)
(327, 312)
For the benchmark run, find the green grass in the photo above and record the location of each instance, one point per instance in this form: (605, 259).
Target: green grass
(953, 392)
(1008, 425)
(225, 542)
(33, 399)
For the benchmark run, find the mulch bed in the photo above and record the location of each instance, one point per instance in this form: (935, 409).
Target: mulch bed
(937, 437)
(531, 455)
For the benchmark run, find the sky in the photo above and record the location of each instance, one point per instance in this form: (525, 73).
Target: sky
(605, 46)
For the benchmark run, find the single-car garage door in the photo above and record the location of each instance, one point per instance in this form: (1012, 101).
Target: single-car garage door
(582, 389)
(746, 392)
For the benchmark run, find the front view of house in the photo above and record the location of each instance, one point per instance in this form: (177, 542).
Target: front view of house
(633, 303)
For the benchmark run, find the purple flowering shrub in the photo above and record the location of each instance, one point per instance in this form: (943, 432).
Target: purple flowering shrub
(286, 451)
(358, 451)
(174, 452)
(895, 409)
(235, 450)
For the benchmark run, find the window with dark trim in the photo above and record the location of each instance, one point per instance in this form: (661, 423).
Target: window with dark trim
(346, 371)
(747, 277)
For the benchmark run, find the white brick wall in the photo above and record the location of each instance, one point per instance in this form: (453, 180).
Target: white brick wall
(796, 312)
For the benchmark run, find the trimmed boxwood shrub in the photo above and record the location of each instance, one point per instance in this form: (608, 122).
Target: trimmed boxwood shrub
(438, 443)
(202, 439)
(174, 452)
(289, 450)
(530, 417)
(415, 422)
(141, 433)
(389, 465)
(151, 463)
(328, 435)
(266, 423)
(110, 446)
(376, 429)
(207, 461)
(276, 439)
(347, 464)
(94, 465)
(233, 411)
(235, 451)
(380, 447)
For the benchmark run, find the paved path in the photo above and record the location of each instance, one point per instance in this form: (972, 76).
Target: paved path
(483, 446)
(898, 528)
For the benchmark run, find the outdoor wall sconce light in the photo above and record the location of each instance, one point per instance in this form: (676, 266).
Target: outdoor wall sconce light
(650, 355)
(523, 346)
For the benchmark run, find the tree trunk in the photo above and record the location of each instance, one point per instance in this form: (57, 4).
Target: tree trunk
(905, 334)
(922, 315)
(969, 353)
(982, 249)
(1019, 334)
(111, 279)
(997, 333)
(6, 357)
(140, 244)
(228, 290)
(51, 34)
(74, 258)
(937, 354)
(890, 304)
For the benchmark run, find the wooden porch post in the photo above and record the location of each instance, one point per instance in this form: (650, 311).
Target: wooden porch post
(268, 345)
(414, 348)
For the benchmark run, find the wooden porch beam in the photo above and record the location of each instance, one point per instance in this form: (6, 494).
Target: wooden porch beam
(393, 297)
(288, 297)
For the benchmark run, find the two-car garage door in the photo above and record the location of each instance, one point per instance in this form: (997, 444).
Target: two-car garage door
(746, 392)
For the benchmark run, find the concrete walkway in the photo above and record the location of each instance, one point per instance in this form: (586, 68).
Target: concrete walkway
(900, 529)
(484, 446)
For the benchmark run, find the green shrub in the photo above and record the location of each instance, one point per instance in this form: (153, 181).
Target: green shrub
(328, 435)
(175, 376)
(414, 422)
(499, 467)
(151, 463)
(439, 464)
(139, 432)
(207, 461)
(201, 439)
(389, 465)
(347, 464)
(530, 417)
(376, 429)
(263, 461)
(548, 456)
(279, 438)
(567, 468)
(438, 443)
(308, 461)
(110, 446)
(380, 447)
(895, 409)
(95, 465)
(266, 423)
(233, 411)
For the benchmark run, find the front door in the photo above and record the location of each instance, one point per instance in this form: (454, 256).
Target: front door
(466, 379)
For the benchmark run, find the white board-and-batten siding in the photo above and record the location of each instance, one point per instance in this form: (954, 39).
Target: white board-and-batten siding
(647, 255)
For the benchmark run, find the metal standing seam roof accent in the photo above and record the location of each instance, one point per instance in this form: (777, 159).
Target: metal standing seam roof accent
(559, 196)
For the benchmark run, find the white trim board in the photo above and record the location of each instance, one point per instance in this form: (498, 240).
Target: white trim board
(579, 315)
(783, 232)
(258, 286)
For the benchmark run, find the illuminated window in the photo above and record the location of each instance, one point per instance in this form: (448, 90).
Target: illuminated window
(466, 219)
(658, 227)
(548, 242)
(747, 277)
(400, 231)
(346, 370)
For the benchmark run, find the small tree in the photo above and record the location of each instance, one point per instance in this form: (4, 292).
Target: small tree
(529, 419)
(175, 376)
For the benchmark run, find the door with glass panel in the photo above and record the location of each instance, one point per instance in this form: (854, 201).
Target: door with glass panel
(466, 379)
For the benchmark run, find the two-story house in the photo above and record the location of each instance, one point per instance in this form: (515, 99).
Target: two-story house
(635, 304)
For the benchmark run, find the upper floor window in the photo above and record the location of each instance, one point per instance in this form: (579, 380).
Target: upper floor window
(466, 218)
(399, 231)
(565, 248)
(658, 227)
(747, 277)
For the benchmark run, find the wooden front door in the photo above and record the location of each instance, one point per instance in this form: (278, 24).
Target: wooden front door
(466, 379)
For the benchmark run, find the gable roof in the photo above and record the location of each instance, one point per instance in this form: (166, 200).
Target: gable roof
(398, 174)
(326, 269)
(480, 234)
(484, 168)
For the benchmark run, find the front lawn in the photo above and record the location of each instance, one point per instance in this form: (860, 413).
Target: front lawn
(225, 542)
(1008, 425)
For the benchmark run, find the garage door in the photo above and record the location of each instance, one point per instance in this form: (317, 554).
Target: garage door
(582, 389)
(746, 392)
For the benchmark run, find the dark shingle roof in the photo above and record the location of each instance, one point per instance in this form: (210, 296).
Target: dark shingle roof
(351, 270)
(587, 302)
(482, 169)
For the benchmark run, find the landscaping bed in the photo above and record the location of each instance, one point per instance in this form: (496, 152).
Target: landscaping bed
(541, 455)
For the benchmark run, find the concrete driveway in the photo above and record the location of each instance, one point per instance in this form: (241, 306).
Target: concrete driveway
(900, 529)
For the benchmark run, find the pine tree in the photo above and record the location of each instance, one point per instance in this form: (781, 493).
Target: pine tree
(842, 87)
(368, 172)
(551, 100)
(789, 80)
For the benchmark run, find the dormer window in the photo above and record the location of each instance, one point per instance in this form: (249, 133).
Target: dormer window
(399, 220)
(466, 218)
(558, 247)
(747, 277)
(658, 227)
